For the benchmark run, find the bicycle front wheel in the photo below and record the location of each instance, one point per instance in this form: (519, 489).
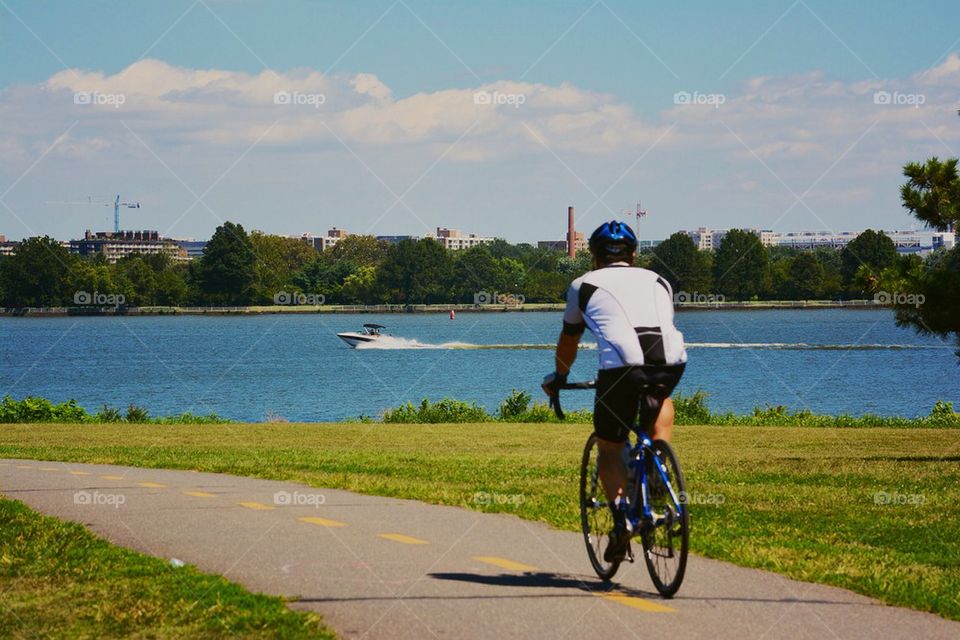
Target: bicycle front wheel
(665, 540)
(595, 516)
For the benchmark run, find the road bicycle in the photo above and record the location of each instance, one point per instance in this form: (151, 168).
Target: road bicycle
(657, 505)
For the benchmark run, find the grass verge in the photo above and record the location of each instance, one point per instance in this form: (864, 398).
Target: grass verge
(59, 580)
(875, 510)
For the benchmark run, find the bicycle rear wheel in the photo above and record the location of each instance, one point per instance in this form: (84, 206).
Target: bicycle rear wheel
(595, 516)
(665, 544)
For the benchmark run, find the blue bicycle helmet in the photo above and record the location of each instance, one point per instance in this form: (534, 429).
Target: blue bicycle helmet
(613, 239)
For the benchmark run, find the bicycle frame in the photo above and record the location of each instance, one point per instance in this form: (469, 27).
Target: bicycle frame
(638, 456)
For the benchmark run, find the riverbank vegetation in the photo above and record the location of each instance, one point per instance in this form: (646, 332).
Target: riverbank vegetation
(518, 407)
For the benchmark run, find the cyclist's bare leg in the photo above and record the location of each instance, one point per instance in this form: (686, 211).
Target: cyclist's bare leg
(613, 473)
(663, 427)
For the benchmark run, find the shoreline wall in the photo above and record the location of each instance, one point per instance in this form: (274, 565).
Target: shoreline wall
(415, 308)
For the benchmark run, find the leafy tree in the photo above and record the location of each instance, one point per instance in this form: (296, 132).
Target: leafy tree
(684, 266)
(227, 270)
(278, 259)
(323, 275)
(36, 275)
(415, 272)
(360, 286)
(805, 280)
(363, 251)
(871, 249)
(545, 286)
(475, 270)
(932, 192)
(741, 266)
(832, 284)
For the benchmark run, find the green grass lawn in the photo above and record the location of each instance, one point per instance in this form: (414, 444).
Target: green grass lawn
(874, 510)
(59, 580)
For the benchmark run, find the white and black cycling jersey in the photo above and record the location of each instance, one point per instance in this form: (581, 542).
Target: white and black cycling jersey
(630, 312)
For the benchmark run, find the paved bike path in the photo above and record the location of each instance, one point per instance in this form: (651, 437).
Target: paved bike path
(388, 568)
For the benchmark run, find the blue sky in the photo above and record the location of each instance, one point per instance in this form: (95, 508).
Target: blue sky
(400, 144)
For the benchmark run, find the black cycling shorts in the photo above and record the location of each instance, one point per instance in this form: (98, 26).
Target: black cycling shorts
(619, 392)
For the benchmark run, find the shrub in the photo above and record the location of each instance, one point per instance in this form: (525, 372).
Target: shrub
(137, 414)
(108, 414)
(514, 406)
(445, 410)
(33, 409)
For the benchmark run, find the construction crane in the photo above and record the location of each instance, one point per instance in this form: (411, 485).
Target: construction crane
(116, 204)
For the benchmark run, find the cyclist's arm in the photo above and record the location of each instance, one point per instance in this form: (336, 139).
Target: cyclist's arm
(573, 326)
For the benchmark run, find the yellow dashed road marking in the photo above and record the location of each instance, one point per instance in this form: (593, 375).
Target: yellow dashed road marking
(152, 485)
(49, 469)
(200, 494)
(256, 505)
(636, 603)
(24, 466)
(80, 473)
(503, 563)
(112, 477)
(399, 537)
(323, 522)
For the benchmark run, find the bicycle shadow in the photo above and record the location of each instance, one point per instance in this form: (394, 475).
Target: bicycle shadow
(541, 580)
(597, 587)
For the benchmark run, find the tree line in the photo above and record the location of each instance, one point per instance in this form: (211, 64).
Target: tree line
(238, 268)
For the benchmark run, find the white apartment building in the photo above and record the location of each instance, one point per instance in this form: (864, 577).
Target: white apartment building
(455, 240)
(907, 242)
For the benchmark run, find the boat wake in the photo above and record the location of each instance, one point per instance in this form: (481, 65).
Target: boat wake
(395, 343)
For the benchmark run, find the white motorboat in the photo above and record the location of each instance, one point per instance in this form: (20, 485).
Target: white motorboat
(370, 333)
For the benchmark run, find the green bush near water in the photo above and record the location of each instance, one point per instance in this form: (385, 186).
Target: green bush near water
(34, 409)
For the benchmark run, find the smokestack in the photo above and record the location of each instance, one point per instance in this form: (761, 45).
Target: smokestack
(571, 234)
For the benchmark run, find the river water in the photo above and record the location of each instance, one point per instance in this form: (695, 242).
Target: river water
(294, 367)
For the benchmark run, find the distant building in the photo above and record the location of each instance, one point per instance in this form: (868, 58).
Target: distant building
(579, 243)
(194, 248)
(116, 245)
(455, 240)
(7, 248)
(322, 243)
(907, 242)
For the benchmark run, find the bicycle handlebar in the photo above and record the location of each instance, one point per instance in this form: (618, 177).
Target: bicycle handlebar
(555, 400)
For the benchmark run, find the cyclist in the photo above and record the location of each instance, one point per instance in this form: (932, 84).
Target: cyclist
(630, 312)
